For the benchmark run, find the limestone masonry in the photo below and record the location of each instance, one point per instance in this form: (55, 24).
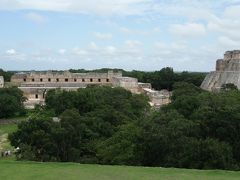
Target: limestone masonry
(227, 71)
(1, 81)
(36, 84)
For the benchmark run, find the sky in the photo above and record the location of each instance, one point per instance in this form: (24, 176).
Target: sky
(187, 35)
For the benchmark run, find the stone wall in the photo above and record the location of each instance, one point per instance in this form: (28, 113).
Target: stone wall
(158, 98)
(144, 85)
(128, 83)
(1, 82)
(64, 77)
(220, 65)
(36, 84)
(229, 55)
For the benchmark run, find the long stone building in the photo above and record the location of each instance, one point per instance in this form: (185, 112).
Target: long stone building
(36, 84)
(227, 71)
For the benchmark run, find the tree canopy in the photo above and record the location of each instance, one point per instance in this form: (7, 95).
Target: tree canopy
(11, 102)
(88, 118)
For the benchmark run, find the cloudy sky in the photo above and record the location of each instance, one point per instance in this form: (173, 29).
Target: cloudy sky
(129, 34)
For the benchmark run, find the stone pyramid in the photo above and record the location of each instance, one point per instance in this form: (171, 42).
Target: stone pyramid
(227, 71)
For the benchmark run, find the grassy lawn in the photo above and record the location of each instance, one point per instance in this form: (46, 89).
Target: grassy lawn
(5, 129)
(32, 170)
(10, 169)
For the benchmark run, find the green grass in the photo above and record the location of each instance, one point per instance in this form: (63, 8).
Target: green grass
(32, 170)
(5, 129)
(12, 170)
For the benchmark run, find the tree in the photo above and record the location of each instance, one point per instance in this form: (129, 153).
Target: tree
(195, 78)
(163, 79)
(92, 98)
(11, 102)
(183, 88)
(34, 138)
(170, 140)
(121, 147)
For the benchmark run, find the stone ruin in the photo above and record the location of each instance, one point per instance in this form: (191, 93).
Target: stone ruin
(1, 82)
(227, 71)
(36, 84)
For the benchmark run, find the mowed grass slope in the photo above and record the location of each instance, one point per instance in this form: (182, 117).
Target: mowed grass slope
(5, 129)
(11, 170)
(32, 170)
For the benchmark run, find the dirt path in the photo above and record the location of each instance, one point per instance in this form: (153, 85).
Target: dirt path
(8, 121)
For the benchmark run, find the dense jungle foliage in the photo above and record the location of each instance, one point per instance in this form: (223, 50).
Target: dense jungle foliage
(108, 125)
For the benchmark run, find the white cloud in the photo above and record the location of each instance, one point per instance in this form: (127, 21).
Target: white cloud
(11, 52)
(232, 12)
(98, 7)
(103, 36)
(172, 48)
(129, 31)
(156, 29)
(132, 43)
(62, 51)
(228, 24)
(9, 4)
(92, 46)
(110, 50)
(35, 17)
(192, 10)
(79, 51)
(188, 30)
(126, 30)
(133, 31)
(228, 43)
(182, 56)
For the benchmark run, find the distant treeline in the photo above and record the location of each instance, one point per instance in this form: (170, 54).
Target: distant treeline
(162, 79)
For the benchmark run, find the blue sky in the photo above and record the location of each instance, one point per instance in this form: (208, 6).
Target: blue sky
(129, 34)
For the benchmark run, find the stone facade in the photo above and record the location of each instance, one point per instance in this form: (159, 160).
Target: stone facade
(1, 82)
(128, 83)
(158, 98)
(36, 84)
(227, 71)
(61, 78)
